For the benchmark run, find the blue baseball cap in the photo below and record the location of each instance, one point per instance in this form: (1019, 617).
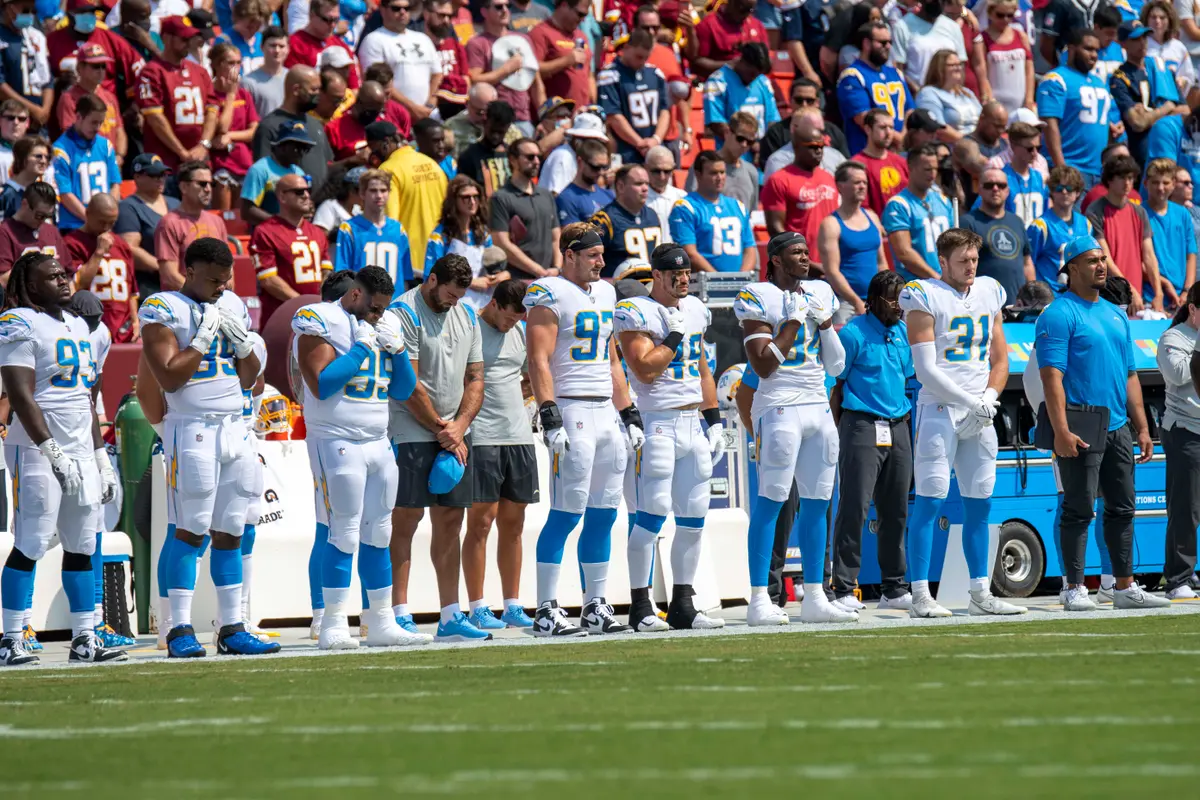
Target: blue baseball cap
(446, 473)
(1131, 29)
(294, 132)
(1077, 247)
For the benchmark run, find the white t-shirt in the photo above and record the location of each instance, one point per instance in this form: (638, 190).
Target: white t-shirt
(558, 170)
(916, 41)
(663, 203)
(411, 55)
(331, 214)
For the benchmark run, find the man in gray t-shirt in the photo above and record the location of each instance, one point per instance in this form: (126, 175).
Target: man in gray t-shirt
(441, 334)
(265, 84)
(741, 176)
(504, 460)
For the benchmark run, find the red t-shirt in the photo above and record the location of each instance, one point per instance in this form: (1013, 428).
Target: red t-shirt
(115, 282)
(64, 112)
(885, 178)
(238, 160)
(720, 39)
(304, 48)
(62, 45)
(177, 230)
(347, 136)
(806, 198)
(1124, 229)
(454, 70)
(1099, 190)
(179, 92)
(17, 238)
(479, 56)
(295, 254)
(573, 83)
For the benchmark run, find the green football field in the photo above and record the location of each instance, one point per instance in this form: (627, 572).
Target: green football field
(1097, 708)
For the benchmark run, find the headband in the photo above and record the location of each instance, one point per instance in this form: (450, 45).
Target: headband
(585, 240)
(780, 241)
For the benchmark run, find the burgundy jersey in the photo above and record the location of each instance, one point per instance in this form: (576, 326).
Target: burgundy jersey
(454, 69)
(179, 93)
(296, 254)
(17, 238)
(114, 283)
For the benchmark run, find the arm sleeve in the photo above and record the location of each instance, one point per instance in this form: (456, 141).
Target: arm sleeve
(340, 371)
(404, 379)
(833, 355)
(934, 379)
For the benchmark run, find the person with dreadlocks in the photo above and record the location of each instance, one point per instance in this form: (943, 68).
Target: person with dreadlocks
(61, 471)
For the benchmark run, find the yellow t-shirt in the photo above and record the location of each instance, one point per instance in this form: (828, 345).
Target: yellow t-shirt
(418, 189)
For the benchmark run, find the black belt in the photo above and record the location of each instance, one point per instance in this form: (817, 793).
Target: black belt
(877, 418)
(588, 398)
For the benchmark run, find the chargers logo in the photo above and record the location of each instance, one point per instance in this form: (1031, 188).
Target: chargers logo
(747, 296)
(312, 318)
(157, 309)
(12, 325)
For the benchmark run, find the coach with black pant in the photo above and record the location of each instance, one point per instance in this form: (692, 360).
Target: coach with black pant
(1181, 442)
(876, 461)
(1094, 407)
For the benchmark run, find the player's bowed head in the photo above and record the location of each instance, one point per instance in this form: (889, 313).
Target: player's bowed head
(670, 274)
(369, 294)
(447, 283)
(583, 254)
(958, 256)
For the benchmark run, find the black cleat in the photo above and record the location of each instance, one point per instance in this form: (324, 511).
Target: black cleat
(682, 614)
(14, 654)
(86, 648)
(643, 616)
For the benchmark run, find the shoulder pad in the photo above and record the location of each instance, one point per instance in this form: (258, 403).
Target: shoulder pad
(15, 326)
(308, 321)
(914, 297)
(748, 305)
(156, 310)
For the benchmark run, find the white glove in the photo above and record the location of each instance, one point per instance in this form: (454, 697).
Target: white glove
(388, 334)
(675, 321)
(817, 310)
(210, 323)
(364, 333)
(65, 469)
(716, 442)
(980, 415)
(795, 307)
(233, 327)
(557, 441)
(635, 436)
(108, 478)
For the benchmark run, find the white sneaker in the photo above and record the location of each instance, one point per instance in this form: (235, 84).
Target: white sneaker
(1184, 592)
(1076, 599)
(799, 591)
(985, 603)
(817, 608)
(849, 603)
(1105, 596)
(901, 603)
(314, 630)
(384, 632)
(703, 622)
(765, 613)
(1136, 598)
(335, 634)
(925, 606)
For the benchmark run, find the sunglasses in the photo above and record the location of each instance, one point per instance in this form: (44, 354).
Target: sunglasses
(597, 167)
(469, 197)
(807, 101)
(1002, 15)
(1061, 188)
(746, 140)
(301, 190)
(202, 184)
(660, 171)
(398, 9)
(995, 185)
(329, 20)
(11, 118)
(45, 216)
(529, 156)
(1029, 148)
(499, 6)
(39, 156)
(1184, 183)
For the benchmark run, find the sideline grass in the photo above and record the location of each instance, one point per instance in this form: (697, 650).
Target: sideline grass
(1013, 711)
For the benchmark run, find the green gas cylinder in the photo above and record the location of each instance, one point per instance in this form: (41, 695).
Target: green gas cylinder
(135, 442)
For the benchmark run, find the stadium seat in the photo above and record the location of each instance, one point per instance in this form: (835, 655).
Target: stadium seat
(680, 177)
(245, 283)
(128, 188)
(781, 63)
(234, 224)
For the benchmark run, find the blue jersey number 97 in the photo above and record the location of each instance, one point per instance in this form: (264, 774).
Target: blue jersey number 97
(587, 330)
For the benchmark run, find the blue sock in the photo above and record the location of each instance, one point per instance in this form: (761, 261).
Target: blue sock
(553, 538)
(595, 542)
(225, 566)
(813, 532)
(975, 534)
(15, 586)
(78, 586)
(98, 572)
(29, 595)
(316, 597)
(335, 568)
(362, 588)
(374, 568)
(181, 572)
(920, 535)
(761, 538)
(164, 561)
(248, 534)
(1101, 545)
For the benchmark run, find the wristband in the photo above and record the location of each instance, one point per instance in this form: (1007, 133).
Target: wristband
(631, 416)
(673, 340)
(712, 416)
(550, 416)
(773, 349)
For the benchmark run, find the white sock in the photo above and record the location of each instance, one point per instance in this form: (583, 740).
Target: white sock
(595, 579)
(400, 609)
(685, 554)
(247, 572)
(181, 606)
(449, 611)
(920, 588)
(318, 614)
(335, 605)
(1107, 581)
(98, 615)
(478, 604)
(81, 622)
(980, 585)
(229, 604)
(815, 592)
(27, 618)
(509, 602)
(13, 621)
(379, 600)
(759, 596)
(640, 552)
(547, 582)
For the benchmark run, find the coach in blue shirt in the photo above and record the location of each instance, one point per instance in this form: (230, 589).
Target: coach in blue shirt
(872, 409)
(1085, 358)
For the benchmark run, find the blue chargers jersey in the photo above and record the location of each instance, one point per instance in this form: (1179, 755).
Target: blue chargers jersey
(1028, 197)
(1048, 237)
(361, 243)
(252, 54)
(638, 95)
(725, 95)
(83, 168)
(860, 88)
(925, 220)
(1084, 110)
(627, 236)
(720, 231)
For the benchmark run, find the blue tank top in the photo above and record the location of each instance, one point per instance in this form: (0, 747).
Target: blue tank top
(859, 254)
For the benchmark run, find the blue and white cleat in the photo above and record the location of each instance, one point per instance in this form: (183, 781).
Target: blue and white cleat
(110, 638)
(460, 629)
(515, 617)
(407, 623)
(485, 620)
(182, 643)
(31, 641)
(235, 640)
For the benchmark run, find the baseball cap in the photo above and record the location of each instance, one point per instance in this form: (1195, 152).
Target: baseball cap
(178, 26)
(92, 53)
(293, 132)
(446, 473)
(354, 175)
(149, 164)
(381, 129)
(1078, 246)
(553, 104)
(201, 20)
(85, 304)
(922, 120)
(1132, 29)
(1026, 115)
(334, 57)
(587, 126)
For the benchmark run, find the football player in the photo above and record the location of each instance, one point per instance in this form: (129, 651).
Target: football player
(291, 255)
(579, 385)
(629, 229)
(352, 360)
(373, 238)
(60, 470)
(961, 359)
(197, 344)
(791, 344)
(662, 340)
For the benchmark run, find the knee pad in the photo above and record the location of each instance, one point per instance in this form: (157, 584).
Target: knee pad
(76, 562)
(931, 468)
(20, 561)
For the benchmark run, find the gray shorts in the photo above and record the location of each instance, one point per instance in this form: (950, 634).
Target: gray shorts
(505, 471)
(414, 460)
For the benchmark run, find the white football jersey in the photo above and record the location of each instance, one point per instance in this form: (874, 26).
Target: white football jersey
(360, 410)
(215, 388)
(101, 341)
(962, 325)
(60, 354)
(679, 385)
(580, 363)
(250, 403)
(800, 379)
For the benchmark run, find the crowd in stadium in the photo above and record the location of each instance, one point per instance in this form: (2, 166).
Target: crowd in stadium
(478, 158)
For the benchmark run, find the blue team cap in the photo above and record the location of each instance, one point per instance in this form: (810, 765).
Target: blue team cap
(446, 473)
(294, 132)
(1077, 247)
(1132, 29)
